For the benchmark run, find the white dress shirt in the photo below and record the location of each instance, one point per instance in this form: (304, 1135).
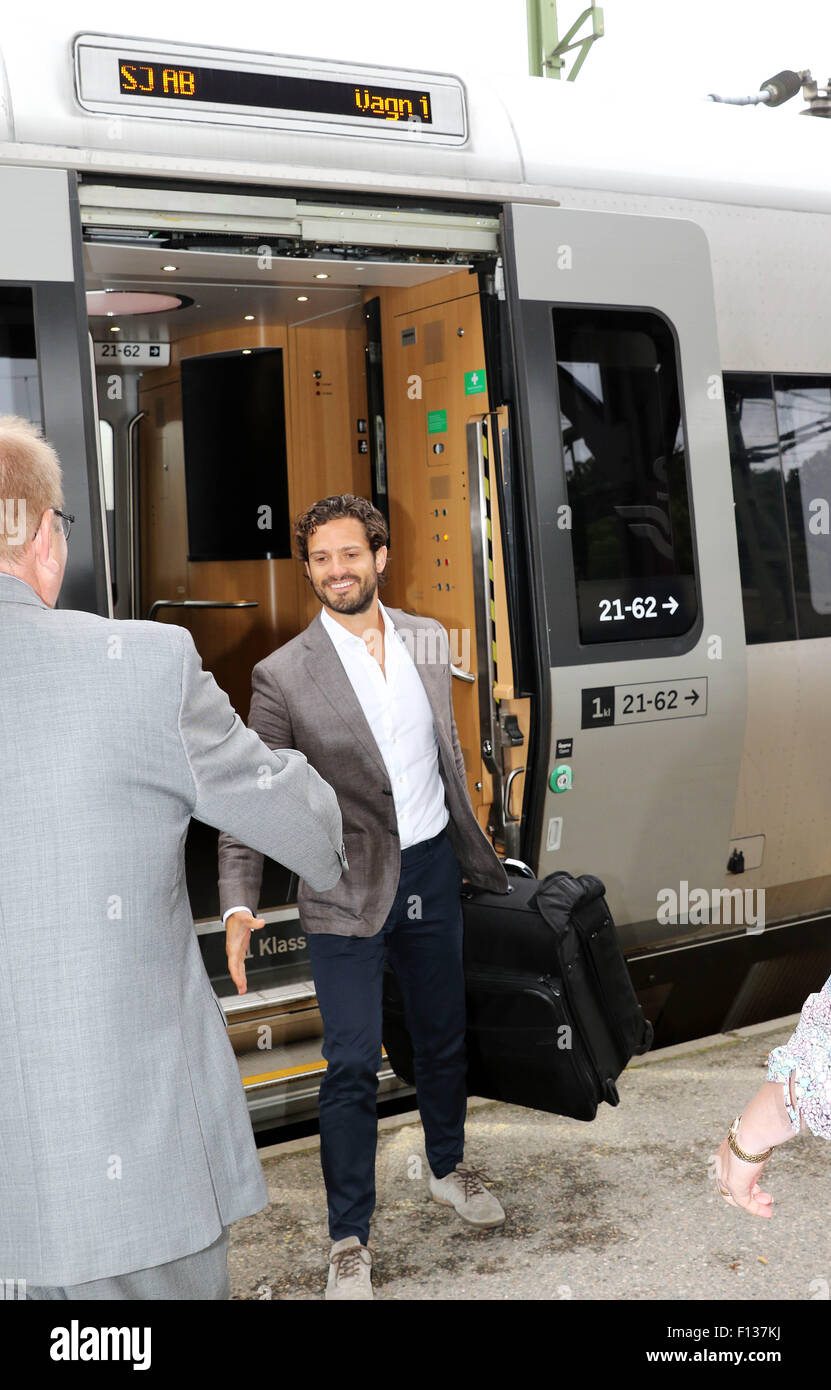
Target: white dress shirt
(399, 715)
(401, 721)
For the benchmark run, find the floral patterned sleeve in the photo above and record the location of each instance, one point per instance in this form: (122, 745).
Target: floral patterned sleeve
(807, 1053)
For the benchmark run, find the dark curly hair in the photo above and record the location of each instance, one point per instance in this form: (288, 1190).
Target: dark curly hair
(334, 509)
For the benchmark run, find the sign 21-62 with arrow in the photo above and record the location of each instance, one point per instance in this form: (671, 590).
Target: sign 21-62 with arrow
(631, 608)
(643, 703)
(614, 609)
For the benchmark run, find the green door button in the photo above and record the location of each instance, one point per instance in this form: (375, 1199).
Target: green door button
(560, 779)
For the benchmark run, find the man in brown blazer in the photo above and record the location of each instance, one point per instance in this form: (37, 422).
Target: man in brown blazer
(365, 693)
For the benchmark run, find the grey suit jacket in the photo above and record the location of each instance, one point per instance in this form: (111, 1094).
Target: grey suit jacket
(125, 1140)
(303, 698)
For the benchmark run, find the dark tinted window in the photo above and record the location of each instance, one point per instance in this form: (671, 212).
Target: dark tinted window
(233, 414)
(19, 383)
(803, 407)
(625, 459)
(762, 533)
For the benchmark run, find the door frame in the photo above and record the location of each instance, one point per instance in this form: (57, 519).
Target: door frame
(41, 249)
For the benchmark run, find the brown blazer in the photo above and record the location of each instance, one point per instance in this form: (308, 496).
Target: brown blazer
(302, 698)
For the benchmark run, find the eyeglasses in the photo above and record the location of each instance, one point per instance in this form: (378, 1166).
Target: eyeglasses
(66, 522)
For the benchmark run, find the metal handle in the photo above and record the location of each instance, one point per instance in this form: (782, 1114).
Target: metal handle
(514, 772)
(102, 491)
(132, 497)
(519, 867)
(481, 596)
(460, 675)
(198, 603)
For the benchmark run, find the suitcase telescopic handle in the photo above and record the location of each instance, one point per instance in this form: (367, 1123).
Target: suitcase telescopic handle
(518, 867)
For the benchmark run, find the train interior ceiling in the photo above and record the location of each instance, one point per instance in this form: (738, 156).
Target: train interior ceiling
(285, 374)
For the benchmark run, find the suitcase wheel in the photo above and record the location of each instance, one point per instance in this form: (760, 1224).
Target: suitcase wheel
(610, 1092)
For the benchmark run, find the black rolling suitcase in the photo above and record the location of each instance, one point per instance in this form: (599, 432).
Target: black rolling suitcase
(552, 1017)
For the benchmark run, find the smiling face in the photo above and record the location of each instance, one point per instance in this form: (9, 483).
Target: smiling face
(342, 568)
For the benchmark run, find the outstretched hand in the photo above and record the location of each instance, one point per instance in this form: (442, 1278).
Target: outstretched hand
(238, 929)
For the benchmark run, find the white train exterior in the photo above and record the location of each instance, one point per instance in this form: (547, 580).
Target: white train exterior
(716, 220)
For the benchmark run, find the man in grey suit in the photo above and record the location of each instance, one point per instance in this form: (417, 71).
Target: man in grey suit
(365, 693)
(125, 1145)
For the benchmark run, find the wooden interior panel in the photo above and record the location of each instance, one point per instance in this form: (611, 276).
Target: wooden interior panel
(251, 335)
(324, 409)
(164, 527)
(513, 757)
(232, 641)
(431, 569)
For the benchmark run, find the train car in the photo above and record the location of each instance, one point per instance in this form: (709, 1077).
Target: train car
(577, 354)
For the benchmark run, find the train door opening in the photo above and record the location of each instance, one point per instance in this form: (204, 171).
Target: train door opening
(244, 376)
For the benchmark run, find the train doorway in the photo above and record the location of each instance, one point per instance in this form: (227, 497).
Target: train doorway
(251, 357)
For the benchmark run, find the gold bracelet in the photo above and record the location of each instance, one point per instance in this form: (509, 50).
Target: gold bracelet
(740, 1153)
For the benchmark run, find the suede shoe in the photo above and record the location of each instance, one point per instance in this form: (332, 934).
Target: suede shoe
(350, 1265)
(465, 1190)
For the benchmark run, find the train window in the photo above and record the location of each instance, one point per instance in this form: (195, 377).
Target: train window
(626, 473)
(767, 590)
(107, 440)
(803, 407)
(19, 382)
(105, 433)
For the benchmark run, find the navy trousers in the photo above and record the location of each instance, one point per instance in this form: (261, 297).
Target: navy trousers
(423, 937)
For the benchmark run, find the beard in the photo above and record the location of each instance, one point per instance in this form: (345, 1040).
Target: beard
(356, 599)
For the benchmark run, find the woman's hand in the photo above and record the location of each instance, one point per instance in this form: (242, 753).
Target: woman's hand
(764, 1122)
(738, 1182)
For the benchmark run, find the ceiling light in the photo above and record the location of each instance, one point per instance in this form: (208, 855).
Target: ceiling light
(121, 302)
(248, 317)
(246, 352)
(301, 298)
(170, 267)
(322, 275)
(114, 328)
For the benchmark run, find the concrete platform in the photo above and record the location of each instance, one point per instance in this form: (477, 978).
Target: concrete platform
(621, 1208)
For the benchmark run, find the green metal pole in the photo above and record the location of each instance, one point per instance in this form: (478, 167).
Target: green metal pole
(542, 38)
(546, 51)
(534, 38)
(551, 61)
